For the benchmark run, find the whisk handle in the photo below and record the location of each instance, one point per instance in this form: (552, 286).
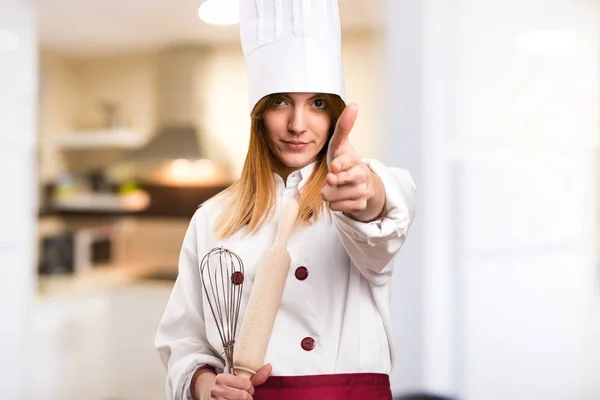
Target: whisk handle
(287, 220)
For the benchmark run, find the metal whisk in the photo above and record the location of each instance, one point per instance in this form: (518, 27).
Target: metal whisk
(222, 274)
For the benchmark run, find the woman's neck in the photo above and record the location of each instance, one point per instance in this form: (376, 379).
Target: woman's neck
(283, 170)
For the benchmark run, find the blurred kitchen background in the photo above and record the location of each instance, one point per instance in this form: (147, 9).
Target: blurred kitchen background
(118, 118)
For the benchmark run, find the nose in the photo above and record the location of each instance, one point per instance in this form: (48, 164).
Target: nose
(297, 121)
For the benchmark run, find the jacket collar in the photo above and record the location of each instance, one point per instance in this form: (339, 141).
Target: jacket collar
(297, 178)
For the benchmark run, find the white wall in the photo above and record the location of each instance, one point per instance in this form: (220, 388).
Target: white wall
(503, 148)
(58, 95)
(18, 116)
(406, 146)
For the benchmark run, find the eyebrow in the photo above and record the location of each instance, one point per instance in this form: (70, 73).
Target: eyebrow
(287, 97)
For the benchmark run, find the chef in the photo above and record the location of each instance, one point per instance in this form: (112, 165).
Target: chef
(332, 337)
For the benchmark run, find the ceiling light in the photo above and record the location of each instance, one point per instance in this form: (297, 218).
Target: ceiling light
(219, 12)
(9, 41)
(548, 42)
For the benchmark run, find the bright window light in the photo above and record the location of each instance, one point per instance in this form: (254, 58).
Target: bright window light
(9, 41)
(219, 12)
(548, 42)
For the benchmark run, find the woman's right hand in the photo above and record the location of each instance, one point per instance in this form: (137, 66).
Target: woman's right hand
(226, 386)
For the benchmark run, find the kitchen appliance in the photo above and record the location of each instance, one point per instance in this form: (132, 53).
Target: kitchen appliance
(57, 255)
(79, 250)
(95, 246)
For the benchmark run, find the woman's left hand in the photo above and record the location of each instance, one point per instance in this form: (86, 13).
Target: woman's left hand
(351, 187)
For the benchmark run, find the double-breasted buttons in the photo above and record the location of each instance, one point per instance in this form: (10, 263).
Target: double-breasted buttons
(301, 273)
(308, 343)
(237, 278)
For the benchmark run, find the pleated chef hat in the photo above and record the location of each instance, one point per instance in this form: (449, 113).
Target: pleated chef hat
(291, 46)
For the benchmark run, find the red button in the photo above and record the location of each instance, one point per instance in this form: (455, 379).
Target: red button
(237, 278)
(301, 273)
(308, 343)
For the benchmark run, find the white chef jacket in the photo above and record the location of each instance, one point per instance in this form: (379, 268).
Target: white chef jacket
(342, 304)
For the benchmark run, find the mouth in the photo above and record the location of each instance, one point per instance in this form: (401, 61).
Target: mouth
(295, 145)
(294, 142)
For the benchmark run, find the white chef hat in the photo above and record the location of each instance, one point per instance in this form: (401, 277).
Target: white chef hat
(291, 46)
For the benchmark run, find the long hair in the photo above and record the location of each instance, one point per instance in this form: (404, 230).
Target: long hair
(251, 199)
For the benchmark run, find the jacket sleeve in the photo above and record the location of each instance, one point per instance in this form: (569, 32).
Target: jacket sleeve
(181, 336)
(373, 245)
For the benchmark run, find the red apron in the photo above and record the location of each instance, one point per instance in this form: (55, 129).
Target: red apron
(364, 386)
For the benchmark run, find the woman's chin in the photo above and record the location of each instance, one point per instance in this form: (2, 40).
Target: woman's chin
(297, 160)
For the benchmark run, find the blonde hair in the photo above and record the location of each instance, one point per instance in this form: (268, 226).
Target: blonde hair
(252, 198)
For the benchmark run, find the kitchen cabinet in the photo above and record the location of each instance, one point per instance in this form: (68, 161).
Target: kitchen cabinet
(99, 345)
(70, 341)
(136, 372)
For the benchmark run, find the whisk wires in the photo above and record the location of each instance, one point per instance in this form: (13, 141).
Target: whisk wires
(222, 274)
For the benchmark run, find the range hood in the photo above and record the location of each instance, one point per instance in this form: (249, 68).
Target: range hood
(180, 141)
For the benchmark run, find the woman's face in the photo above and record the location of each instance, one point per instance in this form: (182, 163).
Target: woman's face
(297, 128)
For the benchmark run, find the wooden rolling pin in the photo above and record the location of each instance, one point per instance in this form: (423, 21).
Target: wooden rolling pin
(251, 346)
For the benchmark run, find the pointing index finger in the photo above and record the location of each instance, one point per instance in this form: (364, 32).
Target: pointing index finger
(344, 125)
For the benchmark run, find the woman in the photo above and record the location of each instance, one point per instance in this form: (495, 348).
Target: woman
(332, 337)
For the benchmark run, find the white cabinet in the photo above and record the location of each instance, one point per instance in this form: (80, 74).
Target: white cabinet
(136, 372)
(99, 346)
(70, 343)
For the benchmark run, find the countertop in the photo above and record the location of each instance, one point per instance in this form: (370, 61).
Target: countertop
(98, 280)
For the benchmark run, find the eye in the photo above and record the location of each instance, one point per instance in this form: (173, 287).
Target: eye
(279, 102)
(319, 103)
